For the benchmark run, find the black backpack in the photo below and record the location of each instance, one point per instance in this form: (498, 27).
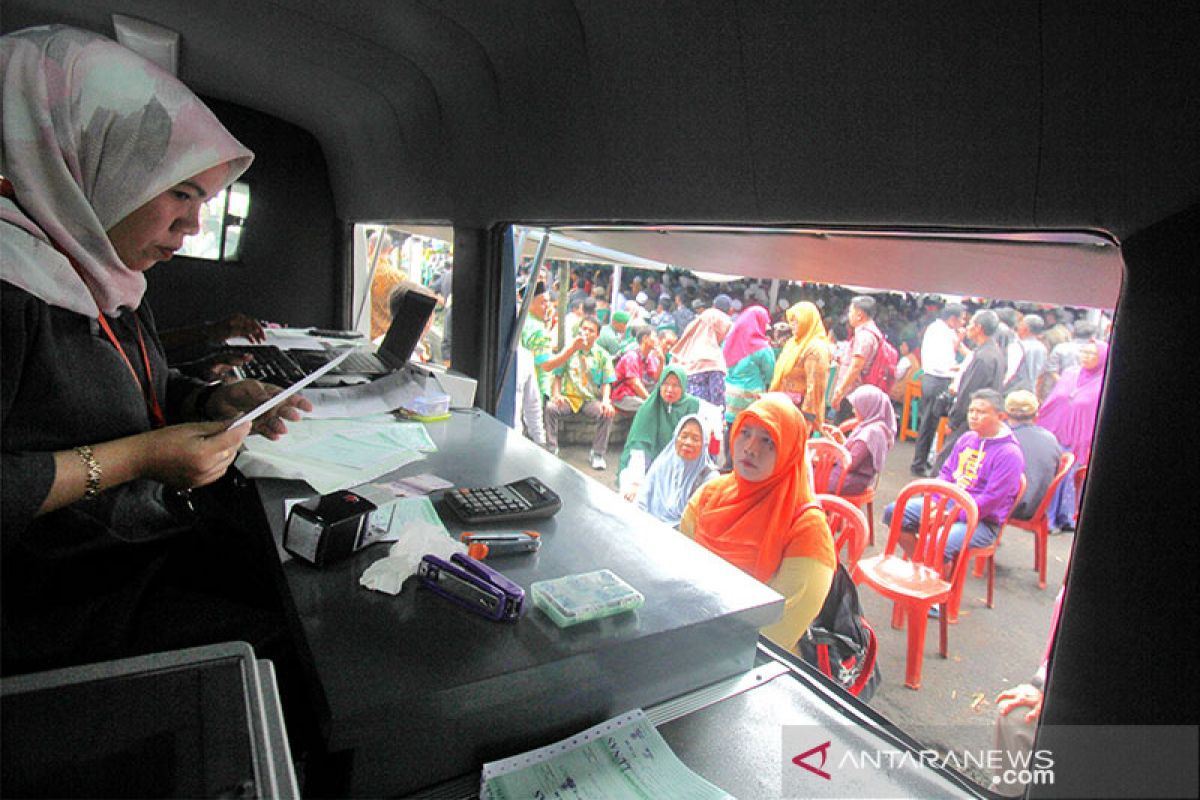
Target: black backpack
(840, 642)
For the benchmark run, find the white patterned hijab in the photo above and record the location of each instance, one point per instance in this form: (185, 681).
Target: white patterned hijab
(91, 132)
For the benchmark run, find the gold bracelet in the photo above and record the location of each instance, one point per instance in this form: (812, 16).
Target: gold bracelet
(92, 491)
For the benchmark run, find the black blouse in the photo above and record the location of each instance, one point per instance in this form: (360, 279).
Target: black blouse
(63, 385)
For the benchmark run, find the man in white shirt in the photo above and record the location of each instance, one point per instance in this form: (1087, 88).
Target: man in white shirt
(939, 348)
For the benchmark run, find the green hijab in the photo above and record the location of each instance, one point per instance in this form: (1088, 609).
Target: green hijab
(654, 423)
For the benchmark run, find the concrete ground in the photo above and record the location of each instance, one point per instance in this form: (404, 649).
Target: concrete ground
(989, 649)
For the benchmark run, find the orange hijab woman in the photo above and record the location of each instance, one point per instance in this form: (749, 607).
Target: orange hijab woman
(763, 517)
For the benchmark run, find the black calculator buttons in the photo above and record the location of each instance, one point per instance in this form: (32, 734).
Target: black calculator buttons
(524, 499)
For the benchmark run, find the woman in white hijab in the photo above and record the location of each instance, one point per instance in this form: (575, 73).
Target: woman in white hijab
(677, 472)
(106, 160)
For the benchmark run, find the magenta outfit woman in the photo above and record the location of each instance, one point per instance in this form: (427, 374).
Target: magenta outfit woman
(1070, 414)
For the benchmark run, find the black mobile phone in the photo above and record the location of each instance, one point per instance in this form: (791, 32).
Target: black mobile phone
(331, 334)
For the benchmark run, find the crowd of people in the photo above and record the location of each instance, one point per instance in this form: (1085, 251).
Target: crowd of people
(1011, 388)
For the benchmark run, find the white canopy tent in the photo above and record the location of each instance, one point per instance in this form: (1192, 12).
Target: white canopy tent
(1068, 268)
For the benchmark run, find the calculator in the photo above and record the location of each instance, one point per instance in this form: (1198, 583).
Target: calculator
(527, 498)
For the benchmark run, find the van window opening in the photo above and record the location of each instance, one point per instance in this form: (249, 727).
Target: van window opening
(222, 222)
(421, 255)
(1068, 279)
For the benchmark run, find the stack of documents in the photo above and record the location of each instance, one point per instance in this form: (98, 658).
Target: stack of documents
(333, 454)
(624, 758)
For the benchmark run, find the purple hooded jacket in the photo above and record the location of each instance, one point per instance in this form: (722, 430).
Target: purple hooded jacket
(989, 470)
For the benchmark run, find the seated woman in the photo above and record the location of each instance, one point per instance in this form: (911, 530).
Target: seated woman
(677, 472)
(907, 368)
(763, 517)
(653, 428)
(99, 561)
(869, 443)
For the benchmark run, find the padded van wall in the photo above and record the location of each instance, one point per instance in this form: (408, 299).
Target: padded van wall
(288, 270)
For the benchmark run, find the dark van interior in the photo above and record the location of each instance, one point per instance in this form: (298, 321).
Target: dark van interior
(1020, 117)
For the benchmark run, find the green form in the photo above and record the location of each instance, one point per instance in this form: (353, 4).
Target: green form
(624, 758)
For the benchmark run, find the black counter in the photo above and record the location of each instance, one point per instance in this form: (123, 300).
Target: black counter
(421, 691)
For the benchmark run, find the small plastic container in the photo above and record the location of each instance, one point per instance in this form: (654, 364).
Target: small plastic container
(578, 598)
(432, 405)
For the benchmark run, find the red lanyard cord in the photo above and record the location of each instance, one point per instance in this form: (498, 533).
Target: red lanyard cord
(149, 394)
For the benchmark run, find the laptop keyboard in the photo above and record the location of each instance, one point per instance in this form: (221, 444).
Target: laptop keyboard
(359, 361)
(270, 365)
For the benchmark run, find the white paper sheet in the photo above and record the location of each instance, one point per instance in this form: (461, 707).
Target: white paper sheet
(391, 520)
(294, 339)
(336, 454)
(379, 396)
(263, 408)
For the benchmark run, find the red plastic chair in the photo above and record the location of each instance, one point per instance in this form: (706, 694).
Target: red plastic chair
(848, 527)
(981, 555)
(824, 455)
(1080, 480)
(1039, 523)
(865, 498)
(917, 583)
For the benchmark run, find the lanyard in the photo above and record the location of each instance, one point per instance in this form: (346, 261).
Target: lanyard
(148, 392)
(153, 407)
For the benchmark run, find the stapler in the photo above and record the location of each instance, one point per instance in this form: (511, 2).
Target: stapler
(473, 585)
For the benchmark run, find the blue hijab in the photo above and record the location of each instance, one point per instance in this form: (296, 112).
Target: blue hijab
(671, 481)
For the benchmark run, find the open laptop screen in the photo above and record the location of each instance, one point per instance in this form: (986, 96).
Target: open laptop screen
(412, 311)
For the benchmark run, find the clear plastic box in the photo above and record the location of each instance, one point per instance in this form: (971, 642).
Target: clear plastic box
(430, 404)
(578, 598)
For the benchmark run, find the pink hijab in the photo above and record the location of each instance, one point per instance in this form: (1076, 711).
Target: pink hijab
(92, 132)
(699, 348)
(749, 335)
(1070, 410)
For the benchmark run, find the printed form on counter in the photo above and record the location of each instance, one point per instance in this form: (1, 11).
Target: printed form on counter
(336, 454)
(624, 758)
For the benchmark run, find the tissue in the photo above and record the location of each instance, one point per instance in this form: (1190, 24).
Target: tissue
(420, 538)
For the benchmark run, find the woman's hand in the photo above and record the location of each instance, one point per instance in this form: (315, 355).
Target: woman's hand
(190, 455)
(180, 456)
(1020, 696)
(233, 399)
(237, 325)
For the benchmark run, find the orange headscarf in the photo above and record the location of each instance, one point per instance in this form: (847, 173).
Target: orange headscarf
(753, 524)
(805, 319)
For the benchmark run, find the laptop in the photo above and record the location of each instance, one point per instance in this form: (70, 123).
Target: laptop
(280, 367)
(404, 334)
